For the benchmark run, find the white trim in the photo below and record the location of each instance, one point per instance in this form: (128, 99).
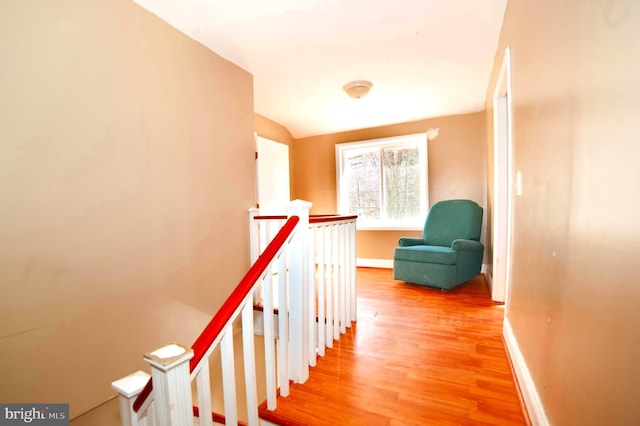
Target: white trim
(385, 141)
(526, 384)
(502, 216)
(374, 263)
(486, 269)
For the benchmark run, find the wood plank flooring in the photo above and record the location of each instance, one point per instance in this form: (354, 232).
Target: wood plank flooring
(416, 356)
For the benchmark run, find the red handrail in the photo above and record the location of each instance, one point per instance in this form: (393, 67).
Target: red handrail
(224, 314)
(270, 217)
(314, 218)
(321, 218)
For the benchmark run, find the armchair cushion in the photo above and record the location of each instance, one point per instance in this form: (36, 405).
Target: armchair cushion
(430, 254)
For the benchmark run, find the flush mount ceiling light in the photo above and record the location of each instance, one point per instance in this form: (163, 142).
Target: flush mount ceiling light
(357, 89)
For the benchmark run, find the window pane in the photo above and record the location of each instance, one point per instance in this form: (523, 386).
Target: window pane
(384, 181)
(362, 172)
(402, 182)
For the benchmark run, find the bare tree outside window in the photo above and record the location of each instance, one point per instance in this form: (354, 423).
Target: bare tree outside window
(383, 181)
(402, 182)
(363, 176)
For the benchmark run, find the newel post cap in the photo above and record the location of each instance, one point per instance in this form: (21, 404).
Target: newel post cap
(168, 357)
(132, 385)
(299, 204)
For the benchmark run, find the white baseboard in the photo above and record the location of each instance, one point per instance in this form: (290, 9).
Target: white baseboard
(375, 263)
(527, 387)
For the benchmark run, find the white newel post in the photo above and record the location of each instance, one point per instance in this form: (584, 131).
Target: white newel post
(299, 314)
(254, 247)
(128, 389)
(254, 236)
(171, 385)
(311, 276)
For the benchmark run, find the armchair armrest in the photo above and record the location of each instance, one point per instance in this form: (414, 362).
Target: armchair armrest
(408, 241)
(467, 245)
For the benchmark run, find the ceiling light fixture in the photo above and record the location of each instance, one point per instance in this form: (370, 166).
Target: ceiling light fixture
(357, 89)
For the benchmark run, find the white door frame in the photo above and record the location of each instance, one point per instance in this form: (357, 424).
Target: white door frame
(502, 182)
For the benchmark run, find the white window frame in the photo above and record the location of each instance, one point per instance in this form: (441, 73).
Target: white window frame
(417, 139)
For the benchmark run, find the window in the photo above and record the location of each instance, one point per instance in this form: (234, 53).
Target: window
(384, 181)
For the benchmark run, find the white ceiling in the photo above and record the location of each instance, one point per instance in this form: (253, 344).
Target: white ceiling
(426, 58)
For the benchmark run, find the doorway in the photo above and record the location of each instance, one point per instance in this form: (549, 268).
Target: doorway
(272, 163)
(502, 181)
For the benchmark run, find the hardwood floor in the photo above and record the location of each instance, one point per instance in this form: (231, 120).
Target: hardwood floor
(416, 356)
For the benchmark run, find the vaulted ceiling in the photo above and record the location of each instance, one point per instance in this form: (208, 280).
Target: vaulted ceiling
(426, 58)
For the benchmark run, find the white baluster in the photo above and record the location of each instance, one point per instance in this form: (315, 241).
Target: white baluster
(311, 282)
(336, 288)
(342, 281)
(203, 383)
(248, 348)
(229, 377)
(171, 385)
(320, 244)
(329, 285)
(352, 271)
(283, 325)
(269, 339)
(299, 315)
(349, 266)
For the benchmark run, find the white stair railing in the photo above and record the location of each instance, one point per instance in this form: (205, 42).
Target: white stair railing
(166, 400)
(332, 275)
(303, 270)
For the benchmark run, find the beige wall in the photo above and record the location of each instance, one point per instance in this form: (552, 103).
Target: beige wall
(269, 129)
(575, 294)
(456, 169)
(117, 235)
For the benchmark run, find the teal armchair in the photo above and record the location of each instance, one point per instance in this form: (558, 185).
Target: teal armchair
(449, 252)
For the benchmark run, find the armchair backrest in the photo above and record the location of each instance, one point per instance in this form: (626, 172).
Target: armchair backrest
(451, 220)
